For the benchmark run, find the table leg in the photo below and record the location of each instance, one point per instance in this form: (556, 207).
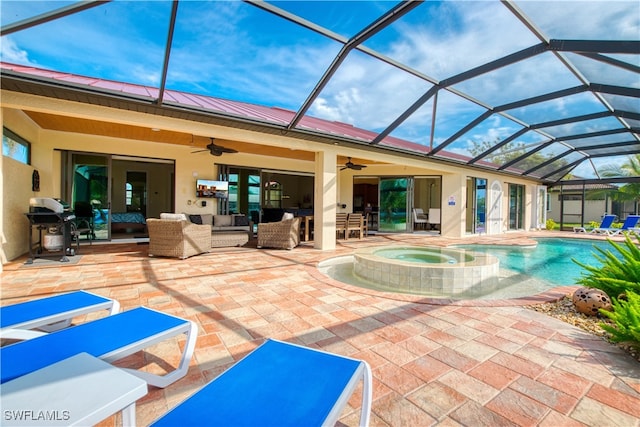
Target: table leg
(129, 416)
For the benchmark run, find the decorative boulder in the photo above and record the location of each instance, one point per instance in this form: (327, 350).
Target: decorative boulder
(590, 300)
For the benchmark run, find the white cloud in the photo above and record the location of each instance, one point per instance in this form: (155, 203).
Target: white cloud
(585, 20)
(10, 52)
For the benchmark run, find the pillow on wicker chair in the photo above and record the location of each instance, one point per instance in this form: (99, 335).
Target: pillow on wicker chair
(173, 216)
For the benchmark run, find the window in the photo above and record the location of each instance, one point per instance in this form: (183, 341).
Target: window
(15, 147)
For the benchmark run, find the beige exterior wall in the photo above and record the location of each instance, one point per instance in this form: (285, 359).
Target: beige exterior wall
(334, 188)
(15, 187)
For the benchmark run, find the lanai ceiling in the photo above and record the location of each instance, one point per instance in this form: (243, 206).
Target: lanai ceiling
(549, 90)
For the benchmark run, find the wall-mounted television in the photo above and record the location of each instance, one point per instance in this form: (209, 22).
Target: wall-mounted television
(212, 189)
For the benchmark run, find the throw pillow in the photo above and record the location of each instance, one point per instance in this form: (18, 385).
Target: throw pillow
(196, 219)
(222, 220)
(207, 219)
(240, 220)
(287, 215)
(173, 216)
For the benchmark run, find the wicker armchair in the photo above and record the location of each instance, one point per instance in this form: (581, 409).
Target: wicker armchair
(177, 238)
(283, 234)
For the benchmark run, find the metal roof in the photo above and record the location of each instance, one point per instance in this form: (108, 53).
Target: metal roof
(540, 89)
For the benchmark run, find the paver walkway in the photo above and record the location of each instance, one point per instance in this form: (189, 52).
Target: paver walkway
(473, 363)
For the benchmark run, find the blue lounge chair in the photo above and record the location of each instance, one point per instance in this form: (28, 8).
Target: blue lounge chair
(277, 384)
(629, 223)
(109, 338)
(19, 321)
(606, 222)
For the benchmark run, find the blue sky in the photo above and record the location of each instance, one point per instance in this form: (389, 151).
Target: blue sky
(233, 50)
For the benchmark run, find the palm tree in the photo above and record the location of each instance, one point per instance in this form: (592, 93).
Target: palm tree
(629, 192)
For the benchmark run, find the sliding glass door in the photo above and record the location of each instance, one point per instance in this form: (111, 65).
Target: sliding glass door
(394, 202)
(88, 181)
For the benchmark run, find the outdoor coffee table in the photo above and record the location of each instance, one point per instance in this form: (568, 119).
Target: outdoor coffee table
(80, 390)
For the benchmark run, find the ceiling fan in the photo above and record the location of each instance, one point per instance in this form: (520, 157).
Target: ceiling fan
(216, 150)
(351, 165)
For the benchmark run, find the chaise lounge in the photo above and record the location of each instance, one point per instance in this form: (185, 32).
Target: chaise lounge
(606, 223)
(278, 384)
(629, 224)
(20, 321)
(110, 339)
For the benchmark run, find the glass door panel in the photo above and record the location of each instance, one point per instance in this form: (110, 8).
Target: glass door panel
(516, 206)
(481, 205)
(90, 183)
(476, 212)
(393, 205)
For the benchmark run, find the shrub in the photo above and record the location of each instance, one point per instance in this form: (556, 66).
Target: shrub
(550, 225)
(619, 277)
(626, 316)
(616, 275)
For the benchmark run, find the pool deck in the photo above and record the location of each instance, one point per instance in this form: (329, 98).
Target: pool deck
(434, 361)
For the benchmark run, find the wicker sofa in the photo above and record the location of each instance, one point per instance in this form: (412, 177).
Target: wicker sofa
(226, 230)
(283, 234)
(173, 236)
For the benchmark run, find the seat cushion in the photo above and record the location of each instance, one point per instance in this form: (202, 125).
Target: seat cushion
(222, 220)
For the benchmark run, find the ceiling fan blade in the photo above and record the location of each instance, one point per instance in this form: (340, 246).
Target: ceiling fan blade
(225, 149)
(198, 151)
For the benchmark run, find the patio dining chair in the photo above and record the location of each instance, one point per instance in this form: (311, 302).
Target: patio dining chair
(278, 384)
(420, 219)
(355, 224)
(341, 224)
(84, 220)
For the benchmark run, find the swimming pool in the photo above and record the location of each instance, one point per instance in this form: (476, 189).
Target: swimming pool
(550, 260)
(524, 271)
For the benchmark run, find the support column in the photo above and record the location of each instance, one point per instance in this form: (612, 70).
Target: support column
(325, 199)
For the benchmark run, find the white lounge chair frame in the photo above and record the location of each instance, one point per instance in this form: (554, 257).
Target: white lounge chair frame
(628, 225)
(607, 219)
(19, 321)
(109, 338)
(278, 384)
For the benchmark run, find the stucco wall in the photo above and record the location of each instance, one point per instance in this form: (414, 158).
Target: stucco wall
(17, 186)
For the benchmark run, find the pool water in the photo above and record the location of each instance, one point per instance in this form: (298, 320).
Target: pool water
(524, 271)
(550, 260)
(423, 255)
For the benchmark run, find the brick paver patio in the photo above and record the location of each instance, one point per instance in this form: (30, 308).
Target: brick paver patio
(434, 362)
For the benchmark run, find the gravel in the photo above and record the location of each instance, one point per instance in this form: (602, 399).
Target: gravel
(565, 310)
